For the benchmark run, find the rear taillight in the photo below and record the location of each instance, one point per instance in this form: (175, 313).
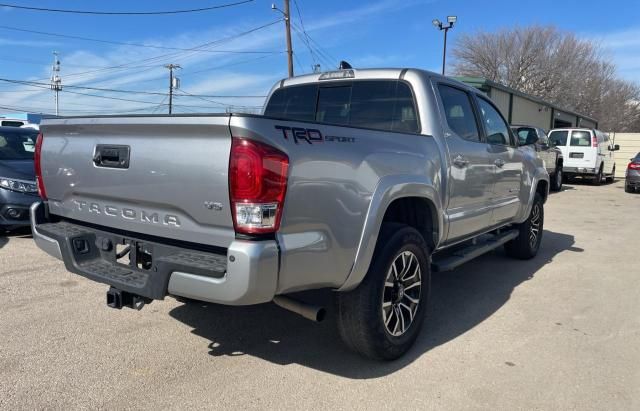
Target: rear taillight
(594, 141)
(38, 167)
(257, 186)
(633, 166)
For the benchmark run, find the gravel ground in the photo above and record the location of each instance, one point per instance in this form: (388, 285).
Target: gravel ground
(561, 331)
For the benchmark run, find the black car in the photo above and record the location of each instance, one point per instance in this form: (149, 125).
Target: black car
(17, 176)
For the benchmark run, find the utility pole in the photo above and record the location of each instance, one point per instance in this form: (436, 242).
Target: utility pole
(287, 24)
(56, 81)
(174, 82)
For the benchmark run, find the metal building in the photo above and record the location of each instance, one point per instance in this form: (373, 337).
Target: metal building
(521, 108)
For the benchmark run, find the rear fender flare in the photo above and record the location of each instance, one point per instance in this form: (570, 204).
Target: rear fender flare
(540, 175)
(389, 189)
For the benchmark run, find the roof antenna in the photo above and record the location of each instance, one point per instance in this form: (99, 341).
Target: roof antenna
(344, 65)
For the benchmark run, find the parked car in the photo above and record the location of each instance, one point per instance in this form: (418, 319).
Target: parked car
(17, 176)
(632, 175)
(587, 153)
(361, 181)
(536, 138)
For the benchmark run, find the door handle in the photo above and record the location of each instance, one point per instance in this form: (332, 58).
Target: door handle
(499, 163)
(460, 161)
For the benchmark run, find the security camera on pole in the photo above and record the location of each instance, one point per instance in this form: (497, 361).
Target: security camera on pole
(439, 25)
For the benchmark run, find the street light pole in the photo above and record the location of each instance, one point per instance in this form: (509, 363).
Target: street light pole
(439, 25)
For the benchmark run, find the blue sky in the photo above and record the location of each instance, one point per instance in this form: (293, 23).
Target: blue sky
(366, 33)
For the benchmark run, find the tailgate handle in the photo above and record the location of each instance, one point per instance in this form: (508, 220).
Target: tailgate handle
(111, 156)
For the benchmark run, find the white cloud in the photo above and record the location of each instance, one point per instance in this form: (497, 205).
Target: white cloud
(623, 48)
(149, 75)
(27, 43)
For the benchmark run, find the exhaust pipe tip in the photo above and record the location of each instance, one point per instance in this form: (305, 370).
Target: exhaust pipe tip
(308, 311)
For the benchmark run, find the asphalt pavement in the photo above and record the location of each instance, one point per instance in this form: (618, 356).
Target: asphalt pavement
(561, 331)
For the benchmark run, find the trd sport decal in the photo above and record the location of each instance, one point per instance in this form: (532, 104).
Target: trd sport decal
(310, 135)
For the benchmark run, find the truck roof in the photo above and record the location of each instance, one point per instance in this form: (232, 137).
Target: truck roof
(364, 74)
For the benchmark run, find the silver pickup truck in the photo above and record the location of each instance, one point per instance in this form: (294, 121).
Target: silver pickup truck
(360, 181)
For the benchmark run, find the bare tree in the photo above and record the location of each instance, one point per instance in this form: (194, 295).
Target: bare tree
(553, 65)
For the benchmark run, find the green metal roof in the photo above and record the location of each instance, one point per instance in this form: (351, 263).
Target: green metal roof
(485, 85)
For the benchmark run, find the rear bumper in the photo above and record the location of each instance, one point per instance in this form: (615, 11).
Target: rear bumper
(632, 179)
(245, 273)
(579, 170)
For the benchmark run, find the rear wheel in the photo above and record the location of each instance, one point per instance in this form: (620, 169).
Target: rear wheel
(599, 178)
(628, 188)
(556, 183)
(612, 177)
(382, 317)
(525, 246)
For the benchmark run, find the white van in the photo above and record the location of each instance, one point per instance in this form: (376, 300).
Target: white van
(586, 152)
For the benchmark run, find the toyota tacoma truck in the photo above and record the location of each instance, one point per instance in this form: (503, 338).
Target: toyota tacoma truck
(360, 181)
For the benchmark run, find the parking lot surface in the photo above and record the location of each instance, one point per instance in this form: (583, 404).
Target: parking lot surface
(561, 331)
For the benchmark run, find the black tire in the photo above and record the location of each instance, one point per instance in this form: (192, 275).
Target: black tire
(598, 179)
(524, 247)
(556, 182)
(628, 188)
(361, 313)
(612, 177)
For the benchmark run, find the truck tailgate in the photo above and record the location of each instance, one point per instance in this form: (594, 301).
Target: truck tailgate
(161, 176)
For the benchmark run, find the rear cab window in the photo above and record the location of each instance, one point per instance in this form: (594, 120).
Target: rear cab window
(558, 138)
(386, 105)
(525, 133)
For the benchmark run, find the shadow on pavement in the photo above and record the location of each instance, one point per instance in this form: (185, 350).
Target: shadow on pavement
(460, 300)
(16, 233)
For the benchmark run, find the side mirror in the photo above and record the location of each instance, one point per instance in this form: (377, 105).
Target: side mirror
(616, 147)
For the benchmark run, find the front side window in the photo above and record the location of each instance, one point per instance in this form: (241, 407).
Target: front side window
(459, 112)
(496, 128)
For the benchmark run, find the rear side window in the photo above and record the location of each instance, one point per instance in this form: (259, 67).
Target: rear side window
(558, 138)
(458, 112)
(386, 105)
(580, 139)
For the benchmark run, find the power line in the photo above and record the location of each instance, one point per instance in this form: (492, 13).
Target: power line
(321, 50)
(158, 58)
(126, 13)
(215, 102)
(45, 85)
(305, 39)
(122, 43)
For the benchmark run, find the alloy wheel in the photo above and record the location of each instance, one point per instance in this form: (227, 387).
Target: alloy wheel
(534, 230)
(401, 294)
